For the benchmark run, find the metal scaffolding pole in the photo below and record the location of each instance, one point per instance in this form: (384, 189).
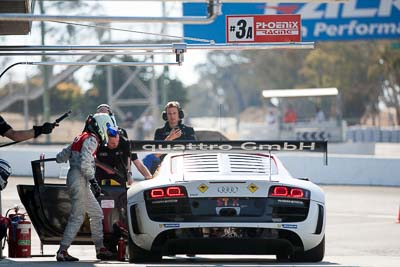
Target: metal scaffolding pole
(159, 47)
(214, 9)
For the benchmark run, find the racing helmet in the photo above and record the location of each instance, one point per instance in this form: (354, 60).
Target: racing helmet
(5, 172)
(102, 125)
(105, 108)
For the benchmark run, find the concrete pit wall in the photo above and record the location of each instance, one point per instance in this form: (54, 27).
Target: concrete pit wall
(341, 169)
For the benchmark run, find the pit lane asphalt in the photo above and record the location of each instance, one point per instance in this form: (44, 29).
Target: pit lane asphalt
(362, 230)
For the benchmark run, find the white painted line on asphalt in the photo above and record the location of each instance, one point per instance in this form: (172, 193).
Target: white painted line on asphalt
(379, 216)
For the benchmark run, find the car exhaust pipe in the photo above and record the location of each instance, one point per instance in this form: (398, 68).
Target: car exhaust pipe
(228, 212)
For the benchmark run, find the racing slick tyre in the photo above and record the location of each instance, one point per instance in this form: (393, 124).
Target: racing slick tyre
(313, 255)
(282, 257)
(139, 255)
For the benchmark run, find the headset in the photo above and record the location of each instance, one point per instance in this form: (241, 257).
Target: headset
(172, 104)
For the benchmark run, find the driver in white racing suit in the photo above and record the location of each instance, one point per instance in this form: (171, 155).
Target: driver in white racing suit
(100, 129)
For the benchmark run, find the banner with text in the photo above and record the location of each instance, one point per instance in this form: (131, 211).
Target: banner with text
(352, 20)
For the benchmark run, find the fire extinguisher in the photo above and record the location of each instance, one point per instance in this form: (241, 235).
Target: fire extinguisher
(19, 235)
(121, 249)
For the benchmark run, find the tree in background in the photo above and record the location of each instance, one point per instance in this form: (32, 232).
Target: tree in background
(65, 96)
(346, 67)
(352, 67)
(222, 86)
(386, 71)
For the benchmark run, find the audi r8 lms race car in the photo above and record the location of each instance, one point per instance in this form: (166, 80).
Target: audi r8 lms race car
(226, 197)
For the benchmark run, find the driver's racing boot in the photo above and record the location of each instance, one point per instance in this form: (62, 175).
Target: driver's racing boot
(62, 255)
(104, 254)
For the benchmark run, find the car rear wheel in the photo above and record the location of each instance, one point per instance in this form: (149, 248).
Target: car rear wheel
(139, 255)
(313, 255)
(282, 257)
(283, 254)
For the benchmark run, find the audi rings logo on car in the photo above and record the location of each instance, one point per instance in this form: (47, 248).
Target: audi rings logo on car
(228, 189)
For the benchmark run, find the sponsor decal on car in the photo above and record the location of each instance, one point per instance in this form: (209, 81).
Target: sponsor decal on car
(164, 201)
(287, 226)
(243, 146)
(289, 201)
(170, 225)
(252, 187)
(202, 188)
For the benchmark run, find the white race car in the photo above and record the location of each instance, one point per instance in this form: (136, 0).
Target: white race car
(213, 199)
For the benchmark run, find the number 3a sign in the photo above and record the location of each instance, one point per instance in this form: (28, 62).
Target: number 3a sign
(240, 29)
(263, 28)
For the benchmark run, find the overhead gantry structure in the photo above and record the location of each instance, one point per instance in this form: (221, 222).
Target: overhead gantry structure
(7, 15)
(213, 11)
(144, 49)
(22, 16)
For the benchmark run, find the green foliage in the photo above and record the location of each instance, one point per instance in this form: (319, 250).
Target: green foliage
(65, 96)
(352, 67)
(389, 67)
(224, 82)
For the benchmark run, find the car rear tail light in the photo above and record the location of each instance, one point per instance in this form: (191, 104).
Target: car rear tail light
(280, 191)
(289, 192)
(296, 193)
(157, 193)
(175, 191)
(167, 192)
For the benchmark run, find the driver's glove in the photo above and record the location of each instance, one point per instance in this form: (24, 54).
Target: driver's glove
(96, 188)
(46, 128)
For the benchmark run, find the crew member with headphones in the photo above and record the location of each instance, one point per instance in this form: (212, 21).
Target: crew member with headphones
(174, 129)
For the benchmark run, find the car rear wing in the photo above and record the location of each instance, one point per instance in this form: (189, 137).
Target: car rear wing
(230, 146)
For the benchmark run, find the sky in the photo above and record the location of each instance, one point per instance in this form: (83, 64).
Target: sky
(185, 73)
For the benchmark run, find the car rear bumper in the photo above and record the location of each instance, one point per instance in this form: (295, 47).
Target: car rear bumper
(209, 238)
(225, 246)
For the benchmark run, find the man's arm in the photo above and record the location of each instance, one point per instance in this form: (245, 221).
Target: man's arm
(87, 163)
(142, 169)
(128, 170)
(22, 135)
(64, 155)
